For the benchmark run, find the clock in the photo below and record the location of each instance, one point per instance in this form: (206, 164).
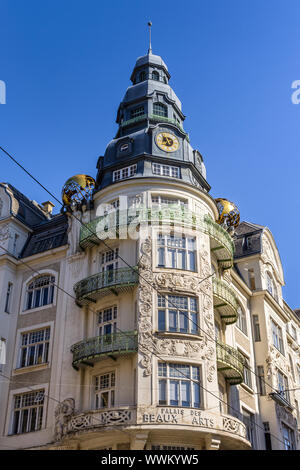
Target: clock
(167, 142)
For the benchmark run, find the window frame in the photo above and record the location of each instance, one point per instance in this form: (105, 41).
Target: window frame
(242, 320)
(35, 346)
(24, 301)
(37, 389)
(118, 175)
(157, 105)
(8, 297)
(159, 169)
(277, 337)
(190, 316)
(110, 390)
(166, 379)
(171, 256)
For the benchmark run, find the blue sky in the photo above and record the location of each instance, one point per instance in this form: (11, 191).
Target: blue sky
(66, 65)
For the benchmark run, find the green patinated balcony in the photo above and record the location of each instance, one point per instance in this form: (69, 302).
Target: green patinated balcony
(98, 285)
(225, 301)
(127, 222)
(89, 351)
(230, 363)
(221, 243)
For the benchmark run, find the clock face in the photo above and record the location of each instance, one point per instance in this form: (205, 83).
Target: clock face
(167, 142)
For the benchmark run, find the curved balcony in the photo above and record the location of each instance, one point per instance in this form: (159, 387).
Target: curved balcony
(221, 243)
(91, 350)
(98, 285)
(225, 301)
(231, 363)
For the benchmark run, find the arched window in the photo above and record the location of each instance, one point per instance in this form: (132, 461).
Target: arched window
(142, 76)
(242, 321)
(40, 292)
(160, 109)
(155, 75)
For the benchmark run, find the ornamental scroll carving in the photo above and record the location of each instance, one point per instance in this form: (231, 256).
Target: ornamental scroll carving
(181, 283)
(234, 426)
(105, 418)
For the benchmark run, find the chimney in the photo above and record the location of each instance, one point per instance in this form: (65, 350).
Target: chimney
(48, 207)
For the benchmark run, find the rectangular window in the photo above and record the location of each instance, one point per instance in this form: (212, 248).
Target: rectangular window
(247, 374)
(249, 421)
(256, 328)
(283, 386)
(164, 201)
(124, 173)
(8, 297)
(34, 348)
(261, 380)
(288, 437)
(105, 390)
(277, 336)
(179, 385)
(166, 170)
(137, 112)
(107, 322)
(178, 252)
(2, 353)
(109, 265)
(177, 314)
(28, 412)
(242, 321)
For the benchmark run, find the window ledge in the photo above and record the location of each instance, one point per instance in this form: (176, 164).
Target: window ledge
(33, 368)
(181, 335)
(247, 388)
(37, 309)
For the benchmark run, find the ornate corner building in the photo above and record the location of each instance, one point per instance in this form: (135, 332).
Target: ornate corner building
(144, 315)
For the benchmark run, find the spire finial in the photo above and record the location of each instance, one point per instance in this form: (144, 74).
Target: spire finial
(150, 47)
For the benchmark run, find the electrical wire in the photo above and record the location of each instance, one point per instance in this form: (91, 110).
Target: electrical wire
(131, 267)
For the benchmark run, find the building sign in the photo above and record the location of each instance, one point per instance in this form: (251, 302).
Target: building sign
(192, 417)
(179, 416)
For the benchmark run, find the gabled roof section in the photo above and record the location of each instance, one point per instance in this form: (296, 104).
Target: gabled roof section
(28, 212)
(248, 239)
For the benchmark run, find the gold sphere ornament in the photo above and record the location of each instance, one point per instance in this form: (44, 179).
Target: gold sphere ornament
(229, 215)
(77, 189)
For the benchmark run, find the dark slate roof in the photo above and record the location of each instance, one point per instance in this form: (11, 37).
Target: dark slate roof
(297, 313)
(28, 213)
(247, 239)
(47, 235)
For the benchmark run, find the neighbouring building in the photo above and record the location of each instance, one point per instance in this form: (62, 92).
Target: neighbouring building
(143, 315)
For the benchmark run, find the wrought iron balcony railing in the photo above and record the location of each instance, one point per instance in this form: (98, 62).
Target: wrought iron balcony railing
(231, 363)
(225, 301)
(221, 243)
(111, 224)
(98, 285)
(100, 347)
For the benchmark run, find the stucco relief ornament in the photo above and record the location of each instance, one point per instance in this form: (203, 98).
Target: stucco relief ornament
(145, 336)
(4, 233)
(63, 413)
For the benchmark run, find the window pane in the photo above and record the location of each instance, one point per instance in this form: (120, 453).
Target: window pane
(185, 393)
(174, 392)
(162, 392)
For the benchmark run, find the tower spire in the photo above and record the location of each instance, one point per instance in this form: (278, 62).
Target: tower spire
(150, 47)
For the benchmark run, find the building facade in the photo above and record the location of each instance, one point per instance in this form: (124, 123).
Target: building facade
(142, 316)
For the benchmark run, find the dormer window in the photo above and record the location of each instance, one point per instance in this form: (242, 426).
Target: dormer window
(160, 109)
(142, 76)
(155, 75)
(137, 112)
